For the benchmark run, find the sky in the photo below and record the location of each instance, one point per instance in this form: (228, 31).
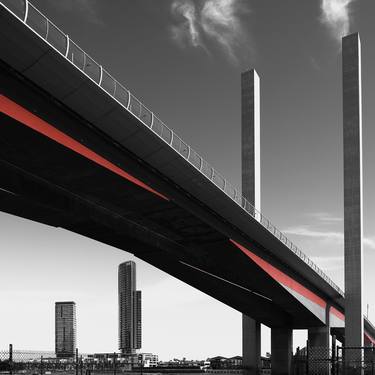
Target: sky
(183, 59)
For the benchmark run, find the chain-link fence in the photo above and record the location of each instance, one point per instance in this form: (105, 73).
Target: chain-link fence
(35, 363)
(320, 360)
(307, 361)
(355, 360)
(46, 363)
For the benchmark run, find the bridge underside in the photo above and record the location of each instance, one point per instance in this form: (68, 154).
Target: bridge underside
(47, 179)
(73, 157)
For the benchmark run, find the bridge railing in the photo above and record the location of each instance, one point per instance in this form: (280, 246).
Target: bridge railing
(61, 42)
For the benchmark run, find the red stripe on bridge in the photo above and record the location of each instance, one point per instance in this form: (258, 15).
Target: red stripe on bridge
(370, 338)
(337, 313)
(281, 277)
(34, 122)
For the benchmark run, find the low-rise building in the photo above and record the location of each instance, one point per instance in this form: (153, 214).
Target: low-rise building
(148, 359)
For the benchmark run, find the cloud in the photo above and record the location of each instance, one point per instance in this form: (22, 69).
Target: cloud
(325, 217)
(369, 242)
(215, 21)
(337, 237)
(220, 20)
(336, 15)
(306, 231)
(187, 30)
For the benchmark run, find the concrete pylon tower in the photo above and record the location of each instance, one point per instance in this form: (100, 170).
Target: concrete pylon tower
(250, 137)
(250, 128)
(352, 131)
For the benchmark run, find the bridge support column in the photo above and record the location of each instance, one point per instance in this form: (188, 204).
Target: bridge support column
(250, 142)
(353, 233)
(281, 351)
(319, 354)
(250, 137)
(250, 345)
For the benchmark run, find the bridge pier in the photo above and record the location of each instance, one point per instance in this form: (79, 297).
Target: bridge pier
(250, 143)
(319, 353)
(353, 231)
(281, 351)
(250, 345)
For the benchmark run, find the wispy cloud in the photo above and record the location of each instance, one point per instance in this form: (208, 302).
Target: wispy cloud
(220, 20)
(187, 29)
(216, 21)
(336, 15)
(306, 231)
(325, 217)
(369, 242)
(336, 237)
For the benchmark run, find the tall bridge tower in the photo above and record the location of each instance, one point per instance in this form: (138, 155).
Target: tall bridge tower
(353, 232)
(250, 138)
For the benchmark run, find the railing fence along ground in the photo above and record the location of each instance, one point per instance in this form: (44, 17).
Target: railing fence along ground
(338, 360)
(46, 363)
(307, 361)
(355, 360)
(60, 42)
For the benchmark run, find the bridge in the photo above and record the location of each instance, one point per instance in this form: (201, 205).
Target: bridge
(80, 152)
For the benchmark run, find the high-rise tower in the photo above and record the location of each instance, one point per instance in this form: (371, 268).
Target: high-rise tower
(130, 318)
(65, 329)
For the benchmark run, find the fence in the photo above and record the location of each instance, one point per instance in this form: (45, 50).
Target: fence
(338, 360)
(46, 363)
(308, 361)
(300, 362)
(355, 360)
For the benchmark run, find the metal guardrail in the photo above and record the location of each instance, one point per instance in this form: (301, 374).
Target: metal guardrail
(61, 42)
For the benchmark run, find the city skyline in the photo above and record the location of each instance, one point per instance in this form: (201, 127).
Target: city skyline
(321, 222)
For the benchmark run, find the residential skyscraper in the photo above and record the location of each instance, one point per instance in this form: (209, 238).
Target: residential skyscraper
(130, 315)
(65, 329)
